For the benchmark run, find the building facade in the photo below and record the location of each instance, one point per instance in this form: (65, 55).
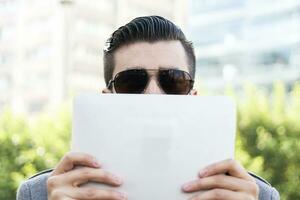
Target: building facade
(52, 50)
(243, 40)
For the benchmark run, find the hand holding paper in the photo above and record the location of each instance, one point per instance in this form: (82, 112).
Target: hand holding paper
(155, 142)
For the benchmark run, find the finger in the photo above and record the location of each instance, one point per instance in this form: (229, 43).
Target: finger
(61, 193)
(71, 159)
(68, 198)
(93, 193)
(221, 182)
(220, 194)
(229, 166)
(85, 174)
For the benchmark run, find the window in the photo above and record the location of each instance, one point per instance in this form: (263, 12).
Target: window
(202, 6)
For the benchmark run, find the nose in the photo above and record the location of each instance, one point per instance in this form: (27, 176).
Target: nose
(153, 87)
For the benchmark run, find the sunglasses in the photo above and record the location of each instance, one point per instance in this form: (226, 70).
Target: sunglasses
(135, 81)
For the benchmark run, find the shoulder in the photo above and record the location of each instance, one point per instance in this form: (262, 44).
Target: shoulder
(34, 188)
(266, 191)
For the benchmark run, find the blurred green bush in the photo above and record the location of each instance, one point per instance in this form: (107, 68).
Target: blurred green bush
(28, 147)
(268, 141)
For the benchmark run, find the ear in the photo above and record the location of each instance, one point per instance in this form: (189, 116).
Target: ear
(193, 92)
(106, 91)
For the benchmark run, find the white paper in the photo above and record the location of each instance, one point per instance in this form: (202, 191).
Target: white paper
(154, 142)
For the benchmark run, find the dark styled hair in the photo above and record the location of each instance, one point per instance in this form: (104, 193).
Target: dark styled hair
(148, 29)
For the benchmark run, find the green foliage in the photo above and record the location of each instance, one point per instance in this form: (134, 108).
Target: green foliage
(269, 136)
(268, 141)
(28, 147)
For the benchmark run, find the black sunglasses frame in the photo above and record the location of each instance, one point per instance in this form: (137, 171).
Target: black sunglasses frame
(149, 71)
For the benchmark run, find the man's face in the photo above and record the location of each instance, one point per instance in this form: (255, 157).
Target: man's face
(149, 56)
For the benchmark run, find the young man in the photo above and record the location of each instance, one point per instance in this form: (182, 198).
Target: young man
(148, 55)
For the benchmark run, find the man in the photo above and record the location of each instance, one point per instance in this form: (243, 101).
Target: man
(148, 55)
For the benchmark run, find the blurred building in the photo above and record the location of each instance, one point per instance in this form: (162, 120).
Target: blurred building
(51, 50)
(238, 40)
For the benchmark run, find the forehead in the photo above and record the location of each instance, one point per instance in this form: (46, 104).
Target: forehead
(161, 54)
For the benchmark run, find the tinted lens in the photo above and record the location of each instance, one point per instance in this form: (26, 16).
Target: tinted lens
(131, 81)
(174, 81)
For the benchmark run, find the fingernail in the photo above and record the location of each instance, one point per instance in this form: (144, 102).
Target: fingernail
(121, 196)
(187, 186)
(96, 163)
(117, 180)
(203, 173)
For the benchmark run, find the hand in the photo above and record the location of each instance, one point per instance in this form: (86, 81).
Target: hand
(65, 180)
(226, 180)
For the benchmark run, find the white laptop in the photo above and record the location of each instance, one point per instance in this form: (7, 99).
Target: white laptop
(154, 142)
